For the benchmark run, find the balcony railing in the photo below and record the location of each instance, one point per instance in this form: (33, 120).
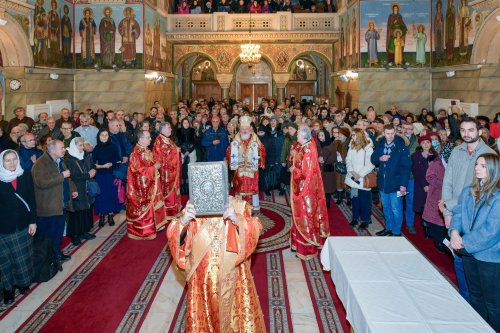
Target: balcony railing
(280, 21)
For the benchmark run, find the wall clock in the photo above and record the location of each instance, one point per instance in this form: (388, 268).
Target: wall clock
(15, 84)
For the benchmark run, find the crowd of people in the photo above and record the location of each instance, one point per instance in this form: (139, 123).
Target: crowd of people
(440, 169)
(253, 6)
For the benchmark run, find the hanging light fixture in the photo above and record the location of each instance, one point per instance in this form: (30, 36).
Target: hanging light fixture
(250, 52)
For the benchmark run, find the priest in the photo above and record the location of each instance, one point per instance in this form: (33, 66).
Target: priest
(166, 152)
(310, 225)
(145, 207)
(215, 254)
(245, 155)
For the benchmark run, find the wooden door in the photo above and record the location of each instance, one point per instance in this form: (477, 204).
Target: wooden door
(253, 93)
(299, 89)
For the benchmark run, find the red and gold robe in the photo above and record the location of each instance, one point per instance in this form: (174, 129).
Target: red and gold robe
(215, 255)
(246, 171)
(145, 207)
(310, 225)
(166, 152)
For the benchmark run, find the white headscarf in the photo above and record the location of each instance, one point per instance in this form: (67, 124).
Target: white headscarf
(6, 175)
(73, 150)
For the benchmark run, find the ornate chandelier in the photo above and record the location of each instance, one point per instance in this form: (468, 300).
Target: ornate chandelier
(250, 54)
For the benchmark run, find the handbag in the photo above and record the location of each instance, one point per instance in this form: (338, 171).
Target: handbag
(370, 180)
(120, 190)
(93, 189)
(341, 167)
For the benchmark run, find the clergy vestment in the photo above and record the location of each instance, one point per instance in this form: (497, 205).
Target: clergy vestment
(245, 157)
(166, 152)
(310, 225)
(145, 207)
(215, 255)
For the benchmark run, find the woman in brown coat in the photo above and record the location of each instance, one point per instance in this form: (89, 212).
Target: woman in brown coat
(327, 157)
(342, 135)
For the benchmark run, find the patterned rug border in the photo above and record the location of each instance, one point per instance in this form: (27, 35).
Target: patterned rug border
(325, 311)
(277, 296)
(41, 315)
(139, 307)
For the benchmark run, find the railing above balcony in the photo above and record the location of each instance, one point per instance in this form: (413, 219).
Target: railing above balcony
(280, 21)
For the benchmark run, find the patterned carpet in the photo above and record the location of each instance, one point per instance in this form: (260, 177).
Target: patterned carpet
(122, 285)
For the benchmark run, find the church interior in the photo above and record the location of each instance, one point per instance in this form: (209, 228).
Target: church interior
(127, 54)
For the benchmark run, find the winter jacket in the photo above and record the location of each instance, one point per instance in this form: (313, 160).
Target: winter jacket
(395, 172)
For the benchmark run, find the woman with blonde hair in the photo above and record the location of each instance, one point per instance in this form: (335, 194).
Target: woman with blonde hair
(475, 236)
(358, 166)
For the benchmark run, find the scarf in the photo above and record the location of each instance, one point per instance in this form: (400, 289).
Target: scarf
(7, 176)
(388, 147)
(73, 150)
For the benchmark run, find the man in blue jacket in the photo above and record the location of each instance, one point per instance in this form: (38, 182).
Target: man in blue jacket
(393, 159)
(215, 141)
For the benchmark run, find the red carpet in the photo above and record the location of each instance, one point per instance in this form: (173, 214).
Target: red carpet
(114, 287)
(105, 293)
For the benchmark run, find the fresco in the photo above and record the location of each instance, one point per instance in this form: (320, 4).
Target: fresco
(395, 32)
(454, 26)
(155, 41)
(349, 33)
(108, 35)
(50, 32)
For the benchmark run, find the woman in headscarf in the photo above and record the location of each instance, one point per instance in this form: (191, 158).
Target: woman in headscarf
(327, 156)
(105, 157)
(82, 169)
(18, 216)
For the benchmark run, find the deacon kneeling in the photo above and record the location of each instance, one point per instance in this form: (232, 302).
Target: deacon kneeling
(215, 254)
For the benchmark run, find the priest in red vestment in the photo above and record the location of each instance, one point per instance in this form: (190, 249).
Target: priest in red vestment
(214, 252)
(145, 207)
(310, 225)
(245, 155)
(166, 152)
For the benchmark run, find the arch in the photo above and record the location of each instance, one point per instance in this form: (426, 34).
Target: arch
(198, 54)
(14, 44)
(306, 53)
(487, 43)
(264, 57)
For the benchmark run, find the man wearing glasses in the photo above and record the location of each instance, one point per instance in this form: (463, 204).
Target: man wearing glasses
(28, 152)
(67, 133)
(12, 141)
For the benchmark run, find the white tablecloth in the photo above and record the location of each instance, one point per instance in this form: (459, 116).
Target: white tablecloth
(388, 286)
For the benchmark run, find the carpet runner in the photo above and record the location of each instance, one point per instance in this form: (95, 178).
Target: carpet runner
(128, 286)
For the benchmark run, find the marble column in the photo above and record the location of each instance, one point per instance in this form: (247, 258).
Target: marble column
(225, 82)
(281, 82)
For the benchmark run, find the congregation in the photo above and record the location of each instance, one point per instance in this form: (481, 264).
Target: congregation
(438, 169)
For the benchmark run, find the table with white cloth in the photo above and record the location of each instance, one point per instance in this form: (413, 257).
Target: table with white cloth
(388, 286)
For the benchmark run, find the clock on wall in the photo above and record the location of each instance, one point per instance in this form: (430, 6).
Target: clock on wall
(15, 84)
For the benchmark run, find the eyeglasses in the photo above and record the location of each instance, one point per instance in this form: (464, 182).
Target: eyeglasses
(67, 128)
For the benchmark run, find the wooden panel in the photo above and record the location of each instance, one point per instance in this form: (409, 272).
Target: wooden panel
(298, 89)
(206, 90)
(246, 91)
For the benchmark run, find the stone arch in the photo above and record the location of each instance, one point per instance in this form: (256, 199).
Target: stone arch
(14, 44)
(267, 59)
(199, 54)
(487, 43)
(305, 53)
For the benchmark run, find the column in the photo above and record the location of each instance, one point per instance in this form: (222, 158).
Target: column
(225, 82)
(281, 82)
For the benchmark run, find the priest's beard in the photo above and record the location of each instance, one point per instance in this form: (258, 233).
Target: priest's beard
(245, 136)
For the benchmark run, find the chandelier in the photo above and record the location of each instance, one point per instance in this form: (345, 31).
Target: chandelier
(250, 52)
